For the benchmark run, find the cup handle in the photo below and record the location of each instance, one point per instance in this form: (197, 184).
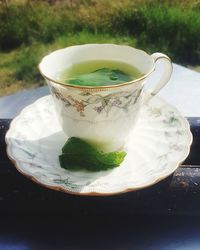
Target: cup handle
(164, 78)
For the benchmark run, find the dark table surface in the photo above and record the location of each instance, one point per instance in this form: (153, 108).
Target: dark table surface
(165, 216)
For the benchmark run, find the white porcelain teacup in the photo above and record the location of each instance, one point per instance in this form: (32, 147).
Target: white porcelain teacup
(104, 115)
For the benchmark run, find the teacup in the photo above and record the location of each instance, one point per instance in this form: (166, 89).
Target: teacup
(103, 115)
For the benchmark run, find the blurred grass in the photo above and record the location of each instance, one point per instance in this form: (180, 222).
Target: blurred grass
(170, 29)
(31, 29)
(19, 67)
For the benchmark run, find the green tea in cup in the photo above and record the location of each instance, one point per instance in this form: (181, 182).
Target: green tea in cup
(99, 73)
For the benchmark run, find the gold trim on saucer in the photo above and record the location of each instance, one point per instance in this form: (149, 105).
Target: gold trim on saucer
(16, 163)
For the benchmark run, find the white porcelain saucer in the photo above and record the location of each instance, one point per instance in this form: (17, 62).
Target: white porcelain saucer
(158, 144)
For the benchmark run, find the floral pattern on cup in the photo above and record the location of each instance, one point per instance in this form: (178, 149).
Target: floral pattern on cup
(102, 103)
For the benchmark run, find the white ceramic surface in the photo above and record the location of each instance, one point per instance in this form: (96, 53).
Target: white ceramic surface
(104, 115)
(159, 142)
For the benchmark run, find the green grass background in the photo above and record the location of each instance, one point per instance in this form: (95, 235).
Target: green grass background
(31, 29)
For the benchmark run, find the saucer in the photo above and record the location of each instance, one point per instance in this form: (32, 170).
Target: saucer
(159, 142)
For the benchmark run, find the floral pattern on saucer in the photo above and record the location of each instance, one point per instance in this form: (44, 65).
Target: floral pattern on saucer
(157, 145)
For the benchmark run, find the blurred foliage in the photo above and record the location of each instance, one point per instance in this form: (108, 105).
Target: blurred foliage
(30, 29)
